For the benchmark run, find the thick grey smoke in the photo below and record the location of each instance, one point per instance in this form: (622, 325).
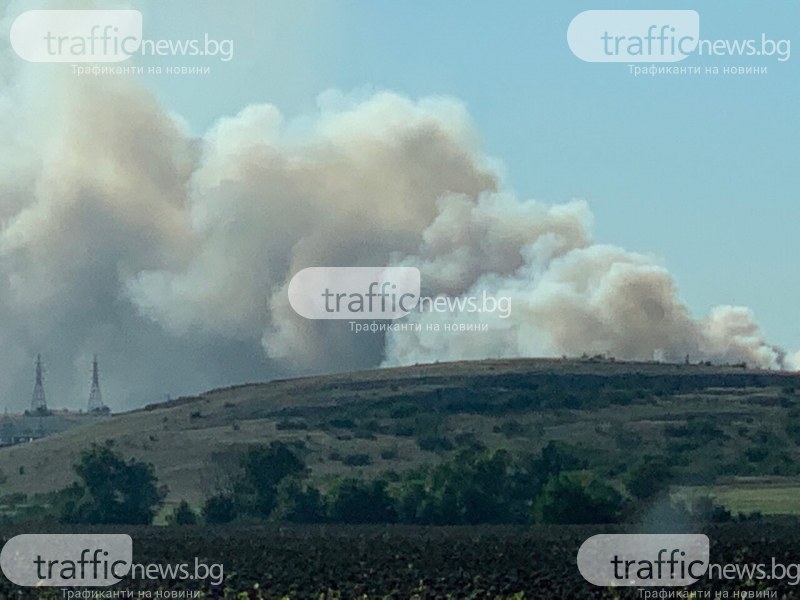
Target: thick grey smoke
(170, 256)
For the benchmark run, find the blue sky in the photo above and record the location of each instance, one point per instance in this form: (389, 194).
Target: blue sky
(699, 171)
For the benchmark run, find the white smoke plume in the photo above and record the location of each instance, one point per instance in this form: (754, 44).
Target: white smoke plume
(170, 255)
(568, 295)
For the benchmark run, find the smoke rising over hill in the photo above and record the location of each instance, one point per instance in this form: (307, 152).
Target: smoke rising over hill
(170, 255)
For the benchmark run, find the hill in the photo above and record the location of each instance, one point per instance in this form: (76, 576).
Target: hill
(730, 428)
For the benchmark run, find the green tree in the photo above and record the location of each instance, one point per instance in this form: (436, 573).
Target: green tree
(648, 478)
(183, 515)
(575, 498)
(475, 486)
(219, 509)
(299, 503)
(415, 503)
(354, 501)
(559, 456)
(264, 467)
(112, 490)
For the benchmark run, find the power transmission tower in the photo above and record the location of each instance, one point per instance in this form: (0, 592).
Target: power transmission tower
(38, 402)
(95, 397)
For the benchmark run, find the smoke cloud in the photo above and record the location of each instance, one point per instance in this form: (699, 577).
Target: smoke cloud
(170, 255)
(568, 295)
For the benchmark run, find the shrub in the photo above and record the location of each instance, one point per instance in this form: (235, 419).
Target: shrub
(389, 453)
(357, 460)
(435, 444)
(289, 425)
(403, 430)
(756, 454)
(403, 411)
(510, 429)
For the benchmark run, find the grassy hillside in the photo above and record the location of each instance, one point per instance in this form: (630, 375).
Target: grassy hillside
(727, 429)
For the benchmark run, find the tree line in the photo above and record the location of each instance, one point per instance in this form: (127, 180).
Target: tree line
(474, 486)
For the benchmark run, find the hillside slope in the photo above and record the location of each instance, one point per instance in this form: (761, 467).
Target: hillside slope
(369, 422)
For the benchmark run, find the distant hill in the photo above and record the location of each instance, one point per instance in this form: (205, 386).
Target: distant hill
(19, 428)
(733, 428)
